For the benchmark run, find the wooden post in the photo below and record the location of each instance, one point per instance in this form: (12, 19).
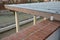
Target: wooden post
(16, 20)
(34, 21)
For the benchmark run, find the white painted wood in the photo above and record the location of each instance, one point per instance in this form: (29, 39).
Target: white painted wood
(51, 18)
(34, 21)
(17, 23)
(45, 18)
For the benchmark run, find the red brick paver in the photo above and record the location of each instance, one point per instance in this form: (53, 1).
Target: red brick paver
(40, 31)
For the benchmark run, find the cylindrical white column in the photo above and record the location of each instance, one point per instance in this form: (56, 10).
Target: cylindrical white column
(51, 18)
(34, 21)
(17, 23)
(52, 0)
(44, 18)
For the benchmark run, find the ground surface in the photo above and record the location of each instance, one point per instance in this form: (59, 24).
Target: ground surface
(6, 18)
(40, 31)
(9, 32)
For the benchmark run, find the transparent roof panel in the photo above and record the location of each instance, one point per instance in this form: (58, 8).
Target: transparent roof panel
(51, 7)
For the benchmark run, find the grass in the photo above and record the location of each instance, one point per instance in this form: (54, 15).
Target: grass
(7, 18)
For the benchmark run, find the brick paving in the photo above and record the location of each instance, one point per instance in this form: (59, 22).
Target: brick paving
(40, 31)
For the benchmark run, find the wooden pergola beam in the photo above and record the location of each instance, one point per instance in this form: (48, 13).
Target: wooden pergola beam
(33, 12)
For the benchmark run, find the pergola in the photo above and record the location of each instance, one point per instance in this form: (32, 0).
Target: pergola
(45, 9)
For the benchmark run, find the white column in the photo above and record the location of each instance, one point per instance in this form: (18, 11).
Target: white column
(51, 18)
(34, 21)
(16, 20)
(52, 0)
(45, 18)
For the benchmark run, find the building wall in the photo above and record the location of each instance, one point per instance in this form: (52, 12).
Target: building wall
(55, 35)
(50, 0)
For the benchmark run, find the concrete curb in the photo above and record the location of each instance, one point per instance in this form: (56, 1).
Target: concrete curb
(20, 23)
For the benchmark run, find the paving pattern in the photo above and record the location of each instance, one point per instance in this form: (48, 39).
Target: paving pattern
(40, 31)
